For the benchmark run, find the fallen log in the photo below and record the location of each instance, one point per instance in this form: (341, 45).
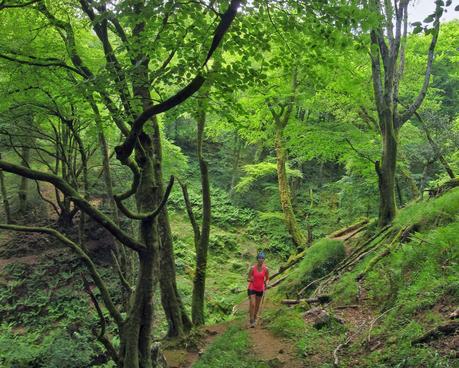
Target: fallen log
(322, 299)
(435, 192)
(277, 282)
(348, 229)
(437, 332)
(396, 241)
(292, 261)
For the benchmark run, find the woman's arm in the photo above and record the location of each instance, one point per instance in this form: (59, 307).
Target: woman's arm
(249, 276)
(266, 276)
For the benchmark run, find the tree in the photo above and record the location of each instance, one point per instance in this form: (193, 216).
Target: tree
(131, 118)
(387, 49)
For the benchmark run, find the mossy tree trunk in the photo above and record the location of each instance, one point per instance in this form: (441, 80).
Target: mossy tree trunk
(202, 245)
(387, 53)
(24, 182)
(294, 230)
(6, 202)
(178, 320)
(281, 114)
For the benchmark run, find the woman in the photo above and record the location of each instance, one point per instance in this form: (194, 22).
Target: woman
(258, 278)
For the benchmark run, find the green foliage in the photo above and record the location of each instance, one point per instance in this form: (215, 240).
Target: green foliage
(258, 171)
(224, 213)
(270, 232)
(318, 260)
(431, 212)
(223, 243)
(35, 350)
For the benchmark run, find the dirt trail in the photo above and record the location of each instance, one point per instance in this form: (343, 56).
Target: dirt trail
(265, 346)
(273, 350)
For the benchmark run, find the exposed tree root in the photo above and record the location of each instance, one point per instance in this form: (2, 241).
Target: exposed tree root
(293, 260)
(401, 237)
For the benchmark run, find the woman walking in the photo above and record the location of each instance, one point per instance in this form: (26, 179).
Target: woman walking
(258, 278)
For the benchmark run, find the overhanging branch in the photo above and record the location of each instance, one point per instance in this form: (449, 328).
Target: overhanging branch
(79, 201)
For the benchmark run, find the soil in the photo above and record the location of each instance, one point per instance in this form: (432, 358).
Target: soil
(265, 346)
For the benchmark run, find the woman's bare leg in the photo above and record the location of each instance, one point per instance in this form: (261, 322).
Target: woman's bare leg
(252, 308)
(257, 307)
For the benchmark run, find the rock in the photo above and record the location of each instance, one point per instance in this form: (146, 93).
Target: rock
(455, 314)
(320, 318)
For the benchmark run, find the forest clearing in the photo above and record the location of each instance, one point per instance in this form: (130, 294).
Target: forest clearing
(229, 184)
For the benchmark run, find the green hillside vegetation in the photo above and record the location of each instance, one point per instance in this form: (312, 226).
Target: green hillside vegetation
(407, 293)
(155, 154)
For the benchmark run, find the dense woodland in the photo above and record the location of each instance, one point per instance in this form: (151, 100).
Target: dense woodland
(150, 149)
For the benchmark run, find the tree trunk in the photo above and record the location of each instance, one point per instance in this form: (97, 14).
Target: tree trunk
(174, 309)
(24, 185)
(386, 175)
(177, 318)
(199, 282)
(295, 232)
(6, 202)
(136, 335)
(123, 258)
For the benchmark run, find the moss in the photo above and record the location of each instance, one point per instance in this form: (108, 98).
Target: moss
(428, 214)
(318, 260)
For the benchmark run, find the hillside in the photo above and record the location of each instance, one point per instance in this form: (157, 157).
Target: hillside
(389, 298)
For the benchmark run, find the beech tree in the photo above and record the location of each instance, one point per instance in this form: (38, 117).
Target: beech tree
(150, 63)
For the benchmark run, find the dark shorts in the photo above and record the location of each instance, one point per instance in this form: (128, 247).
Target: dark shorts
(253, 292)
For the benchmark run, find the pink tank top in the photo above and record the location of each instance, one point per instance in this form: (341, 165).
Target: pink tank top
(258, 283)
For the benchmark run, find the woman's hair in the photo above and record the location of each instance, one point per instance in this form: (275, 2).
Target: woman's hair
(261, 254)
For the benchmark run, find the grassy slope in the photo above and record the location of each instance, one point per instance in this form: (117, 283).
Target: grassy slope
(408, 292)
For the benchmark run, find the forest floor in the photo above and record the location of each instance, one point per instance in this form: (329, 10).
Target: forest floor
(266, 348)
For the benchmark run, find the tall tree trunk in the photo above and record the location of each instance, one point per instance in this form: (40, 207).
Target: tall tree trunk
(386, 175)
(136, 334)
(199, 282)
(177, 318)
(294, 230)
(121, 257)
(178, 321)
(24, 184)
(388, 43)
(6, 202)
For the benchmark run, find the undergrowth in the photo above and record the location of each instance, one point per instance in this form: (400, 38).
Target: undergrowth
(230, 350)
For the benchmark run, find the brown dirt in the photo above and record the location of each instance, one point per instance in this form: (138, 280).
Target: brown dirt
(30, 260)
(273, 350)
(265, 346)
(182, 358)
